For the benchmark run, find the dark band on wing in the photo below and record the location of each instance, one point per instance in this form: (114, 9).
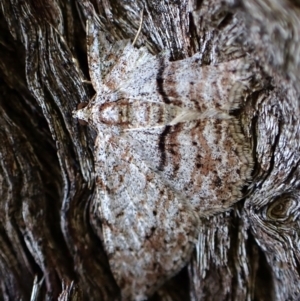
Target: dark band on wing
(160, 80)
(162, 147)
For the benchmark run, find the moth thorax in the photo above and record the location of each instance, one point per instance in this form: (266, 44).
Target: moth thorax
(112, 113)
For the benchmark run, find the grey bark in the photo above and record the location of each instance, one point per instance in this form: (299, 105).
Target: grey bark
(250, 252)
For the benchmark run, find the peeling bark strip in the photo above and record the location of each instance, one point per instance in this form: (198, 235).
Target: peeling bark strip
(53, 239)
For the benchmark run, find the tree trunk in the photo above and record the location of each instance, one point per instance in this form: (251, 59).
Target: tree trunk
(49, 247)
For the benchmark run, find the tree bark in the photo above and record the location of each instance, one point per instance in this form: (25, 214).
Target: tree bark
(46, 156)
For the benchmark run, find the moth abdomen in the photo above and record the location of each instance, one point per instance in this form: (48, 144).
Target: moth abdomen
(137, 114)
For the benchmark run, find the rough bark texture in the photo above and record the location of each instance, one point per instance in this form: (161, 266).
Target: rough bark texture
(250, 252)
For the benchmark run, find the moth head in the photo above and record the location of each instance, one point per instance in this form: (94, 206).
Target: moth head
(82, 113)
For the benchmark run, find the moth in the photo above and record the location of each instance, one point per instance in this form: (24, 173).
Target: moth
(169, 149)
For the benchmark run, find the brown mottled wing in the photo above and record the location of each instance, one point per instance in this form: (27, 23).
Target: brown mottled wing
(148, 229)
(202, 152)
(207, 161)
(110, 64)
(186, 83)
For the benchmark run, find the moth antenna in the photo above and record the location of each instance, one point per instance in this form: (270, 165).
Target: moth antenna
(140, 27)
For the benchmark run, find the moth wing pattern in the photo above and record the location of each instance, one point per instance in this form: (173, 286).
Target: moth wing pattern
(187, 132)
(166, 136)
(148, 230)
(109, 63)
(206, 160)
